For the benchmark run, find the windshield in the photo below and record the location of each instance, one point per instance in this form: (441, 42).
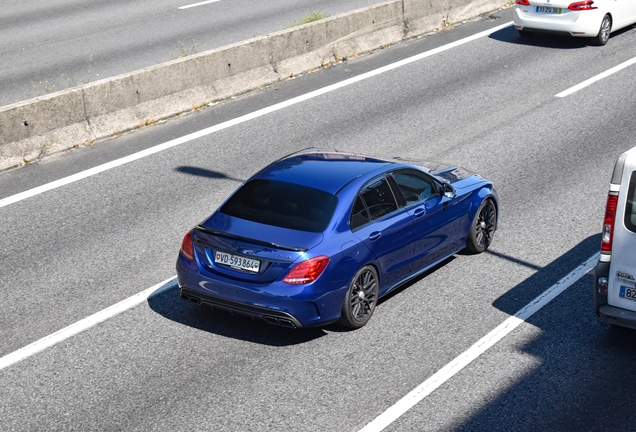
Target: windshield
(282, 204)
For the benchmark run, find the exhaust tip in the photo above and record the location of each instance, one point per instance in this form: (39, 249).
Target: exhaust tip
(190, 299)
(282, 322)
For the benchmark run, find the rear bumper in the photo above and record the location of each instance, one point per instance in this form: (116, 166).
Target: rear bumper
(291, 306)
(618, 316)
(270, 316)
(586, 23)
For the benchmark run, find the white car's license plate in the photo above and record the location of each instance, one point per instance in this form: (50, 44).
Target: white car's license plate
(548, 10)
(237, 261)
(628, 293)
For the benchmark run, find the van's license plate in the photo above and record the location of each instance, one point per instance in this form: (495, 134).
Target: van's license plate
(549, 10)
(238, 262)
(628, 293)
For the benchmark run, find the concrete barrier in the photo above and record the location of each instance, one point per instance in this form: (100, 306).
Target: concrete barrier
(49, 124)
(421, 16)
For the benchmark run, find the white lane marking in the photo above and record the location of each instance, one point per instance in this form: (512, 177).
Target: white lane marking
(187, 138)
(481, 346)
(79, 326)
(382, 420)
(596, 78)
(198, 4)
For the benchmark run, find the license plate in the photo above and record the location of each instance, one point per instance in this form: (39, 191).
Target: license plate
(238, 262)
(628, 293)
(548, 10)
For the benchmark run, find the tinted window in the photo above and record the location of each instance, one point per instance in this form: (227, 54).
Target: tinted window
(630, 207)
(379, 199)
(282, 204)
(414, 186)
(359, 215)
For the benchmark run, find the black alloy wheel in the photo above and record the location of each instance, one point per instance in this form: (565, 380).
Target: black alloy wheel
(361, 298)
(483, 227)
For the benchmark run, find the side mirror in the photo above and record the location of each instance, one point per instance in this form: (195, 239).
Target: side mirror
(449, 191)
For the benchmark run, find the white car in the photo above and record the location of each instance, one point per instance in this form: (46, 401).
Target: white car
(615, 274)
(593, 19)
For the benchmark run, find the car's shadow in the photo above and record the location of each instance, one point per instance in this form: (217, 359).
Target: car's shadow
(518, 297)
(166, 302)
(205, 173)
(511, 35)
(566, 363)
(545, 40)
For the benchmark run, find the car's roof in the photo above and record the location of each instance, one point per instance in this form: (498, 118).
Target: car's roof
(323, 169)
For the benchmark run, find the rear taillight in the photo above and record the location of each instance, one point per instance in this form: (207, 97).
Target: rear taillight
(306, 271)
(187, 248)
(608, 223)
(582, 5)
(523, 2)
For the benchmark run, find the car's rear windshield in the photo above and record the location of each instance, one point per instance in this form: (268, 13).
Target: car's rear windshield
(282, 204)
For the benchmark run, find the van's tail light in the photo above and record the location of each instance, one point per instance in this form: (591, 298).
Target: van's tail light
(608, 223)
(523, 2)
(306, 271)
(187, 248)
(582, 5)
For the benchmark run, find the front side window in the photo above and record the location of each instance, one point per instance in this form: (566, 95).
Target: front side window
(630, 206)
(415, 186)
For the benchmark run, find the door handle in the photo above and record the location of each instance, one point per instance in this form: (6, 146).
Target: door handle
(420, 211)
(375, 235)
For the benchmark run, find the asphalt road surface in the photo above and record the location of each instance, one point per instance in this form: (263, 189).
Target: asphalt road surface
(489, 104)
(50, 46)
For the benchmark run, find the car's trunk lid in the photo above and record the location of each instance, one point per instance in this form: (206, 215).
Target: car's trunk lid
(249, 251)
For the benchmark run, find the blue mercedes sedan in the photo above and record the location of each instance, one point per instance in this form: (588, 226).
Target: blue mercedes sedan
(320, 235)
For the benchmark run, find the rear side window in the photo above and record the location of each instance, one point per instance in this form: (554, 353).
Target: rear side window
(282, 204)
(359, 215)
(374, 201)
(630, 206)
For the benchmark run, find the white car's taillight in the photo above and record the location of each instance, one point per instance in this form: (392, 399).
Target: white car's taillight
(608, 223)
(582, 5)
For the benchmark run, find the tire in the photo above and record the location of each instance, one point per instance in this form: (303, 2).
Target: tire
(361, 298)
(482, 229)
(604, 31)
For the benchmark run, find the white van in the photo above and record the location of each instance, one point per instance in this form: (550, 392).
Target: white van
(615, 274)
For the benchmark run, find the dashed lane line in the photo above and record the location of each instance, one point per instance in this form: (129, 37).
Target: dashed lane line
(197, 4)
(598, 77)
